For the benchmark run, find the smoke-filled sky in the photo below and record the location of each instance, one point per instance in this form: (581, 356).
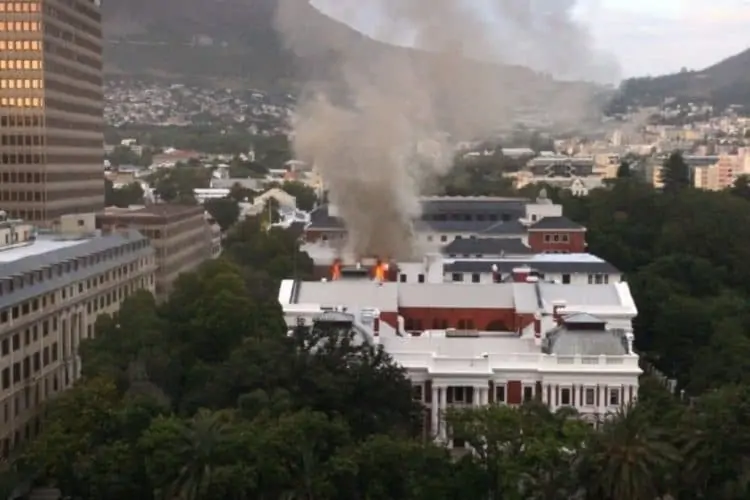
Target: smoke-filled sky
(380, 124)
(645, 36)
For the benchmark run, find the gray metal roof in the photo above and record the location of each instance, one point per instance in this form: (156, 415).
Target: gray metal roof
(486, 246)
(505, 267)
(561, 222)
(473, 205)
(570, 342)
(89, 247)
(510, 208)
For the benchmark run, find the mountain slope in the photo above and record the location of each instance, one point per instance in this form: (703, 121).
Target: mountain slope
(211, 39)
(723, 84)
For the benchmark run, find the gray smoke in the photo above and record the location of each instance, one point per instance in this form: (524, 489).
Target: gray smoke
(378, 121)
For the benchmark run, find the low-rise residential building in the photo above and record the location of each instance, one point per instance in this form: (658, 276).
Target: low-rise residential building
(180, 234)
(53, 286)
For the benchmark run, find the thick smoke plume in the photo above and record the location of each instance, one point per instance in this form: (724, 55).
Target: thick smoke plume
(378, 121)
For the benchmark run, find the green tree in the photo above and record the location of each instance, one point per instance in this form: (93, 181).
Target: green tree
(304, 195)
(630, 459)
(623, 171)
(675, 173)
(131, 194)
(741, 187)
(225, 211)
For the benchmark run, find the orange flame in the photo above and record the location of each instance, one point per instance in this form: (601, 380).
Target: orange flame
(381, 271)
(336, 270)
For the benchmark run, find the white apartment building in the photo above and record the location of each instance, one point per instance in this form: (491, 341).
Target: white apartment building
(53, 286)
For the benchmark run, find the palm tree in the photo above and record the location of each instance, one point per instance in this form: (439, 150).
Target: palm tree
(627, 459)
(202, 442)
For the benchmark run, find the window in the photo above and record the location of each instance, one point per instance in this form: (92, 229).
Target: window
(417, 392)
(500, 394)
(420, 278)
(566, 279)
(402, 278)
(614, 397)
(457, 277)
(443, 238)
(528, 393)
(6, 347)
(475, 278)
(6, 378)
(589, 396)
(460, 394)
(565, 396)
(16, 342)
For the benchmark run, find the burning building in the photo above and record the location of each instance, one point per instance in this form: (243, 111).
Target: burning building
(363, 269)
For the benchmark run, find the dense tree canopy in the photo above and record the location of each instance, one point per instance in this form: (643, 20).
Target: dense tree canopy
(209, 396)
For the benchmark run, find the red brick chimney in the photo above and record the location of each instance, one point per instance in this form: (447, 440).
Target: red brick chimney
(521, 274)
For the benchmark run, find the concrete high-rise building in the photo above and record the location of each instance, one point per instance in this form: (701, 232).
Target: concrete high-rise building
(51, 109)
(180, 234)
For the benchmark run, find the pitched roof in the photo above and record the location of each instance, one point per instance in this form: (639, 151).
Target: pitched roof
(556, 223)
(482, 246)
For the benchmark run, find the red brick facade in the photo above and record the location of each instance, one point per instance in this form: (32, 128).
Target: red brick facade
(557, 241)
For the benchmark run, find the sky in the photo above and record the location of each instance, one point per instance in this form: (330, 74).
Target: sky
(647, 37)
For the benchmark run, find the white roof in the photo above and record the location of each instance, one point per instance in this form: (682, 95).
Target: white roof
(457, 295)
(41, 246)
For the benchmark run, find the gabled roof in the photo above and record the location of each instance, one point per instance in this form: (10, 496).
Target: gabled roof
(483, 246)
(572, 320)
(556, 223)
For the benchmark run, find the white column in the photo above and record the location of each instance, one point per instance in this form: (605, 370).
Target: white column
(434, 409)
(443, 406)
(478, 396)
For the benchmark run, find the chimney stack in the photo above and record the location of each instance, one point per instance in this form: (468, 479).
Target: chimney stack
(558, 309)
(521, 274)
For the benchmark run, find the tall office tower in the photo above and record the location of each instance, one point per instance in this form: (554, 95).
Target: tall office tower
(51, 108)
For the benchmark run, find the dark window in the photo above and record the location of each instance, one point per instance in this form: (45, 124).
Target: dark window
(565, 396)
(475, 278)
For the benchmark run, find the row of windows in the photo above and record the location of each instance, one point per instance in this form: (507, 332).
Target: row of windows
(34, 45)
(459, 394)
(27, 83)
(57, 270)
(556, 238)
(49, 176)
(19, 7)
(60, 68)
(95, 158)
(21, 64)
(416, 325)
(71, 21)
(21, 102)
(19, 26)
(21, 121)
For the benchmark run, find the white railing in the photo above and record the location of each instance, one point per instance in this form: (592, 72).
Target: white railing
(489, 363)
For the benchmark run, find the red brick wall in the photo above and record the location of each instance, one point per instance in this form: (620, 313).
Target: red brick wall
(576, 242)
(482, 318)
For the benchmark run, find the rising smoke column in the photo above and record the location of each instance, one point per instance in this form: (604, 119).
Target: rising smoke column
(380, 121)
